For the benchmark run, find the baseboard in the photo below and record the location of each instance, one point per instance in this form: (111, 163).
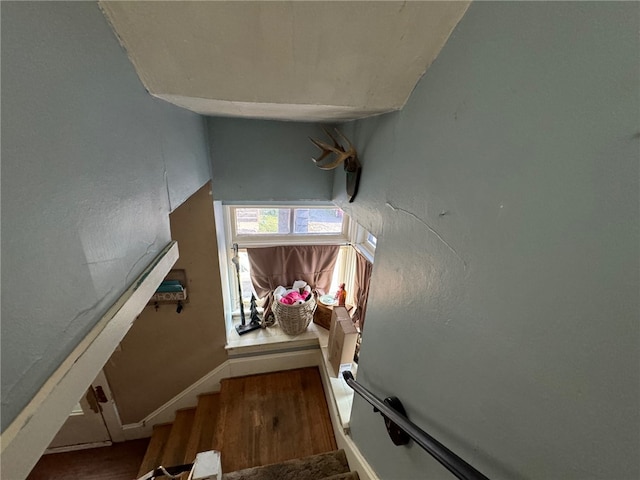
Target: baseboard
(186, 399)
(234, 367)
(75, 448)
(356, 460)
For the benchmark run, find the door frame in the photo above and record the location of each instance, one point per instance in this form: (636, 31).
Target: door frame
(109, 416)
(109, 410)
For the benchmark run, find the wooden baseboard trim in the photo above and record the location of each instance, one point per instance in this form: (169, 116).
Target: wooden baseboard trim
(75, 448)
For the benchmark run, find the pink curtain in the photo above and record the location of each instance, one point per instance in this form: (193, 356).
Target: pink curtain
(273, 266)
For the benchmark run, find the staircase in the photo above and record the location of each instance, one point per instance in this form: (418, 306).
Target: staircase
(192, 431)
(261, 424)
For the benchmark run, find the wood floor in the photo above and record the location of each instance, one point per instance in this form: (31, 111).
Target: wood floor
(255, 420)
(118, 462)
(273, 417)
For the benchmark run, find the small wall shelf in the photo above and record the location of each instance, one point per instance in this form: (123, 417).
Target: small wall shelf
(165, 294)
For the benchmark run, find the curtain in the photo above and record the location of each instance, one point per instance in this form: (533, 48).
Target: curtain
(361, 288)
(282, 265)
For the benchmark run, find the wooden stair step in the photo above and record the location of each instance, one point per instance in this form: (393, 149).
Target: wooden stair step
(273, 417)
(155, 450)
(205, 424)
(176, 445)
(219, 433)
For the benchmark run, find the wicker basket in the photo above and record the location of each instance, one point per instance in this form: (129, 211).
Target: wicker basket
(294, 319)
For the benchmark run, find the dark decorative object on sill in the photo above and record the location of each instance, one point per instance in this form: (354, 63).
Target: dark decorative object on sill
(244, 327)
(255, 318)
(349, 156)
(254, 309)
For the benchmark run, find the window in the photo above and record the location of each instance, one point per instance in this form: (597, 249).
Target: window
(371, 240)
(366, 243)
(278, 225)
(271, 225)
(262, 221)
(245, 277)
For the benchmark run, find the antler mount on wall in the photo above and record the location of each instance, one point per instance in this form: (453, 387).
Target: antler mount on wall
(333, 155)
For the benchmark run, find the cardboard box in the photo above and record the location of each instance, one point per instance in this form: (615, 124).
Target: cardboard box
(337, 314)
(343, 336)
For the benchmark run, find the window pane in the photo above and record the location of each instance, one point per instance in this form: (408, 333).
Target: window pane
(245, 276)
(372, 240)
(262, 221)
(317, 221)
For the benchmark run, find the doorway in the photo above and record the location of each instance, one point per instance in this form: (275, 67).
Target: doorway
(94, 422)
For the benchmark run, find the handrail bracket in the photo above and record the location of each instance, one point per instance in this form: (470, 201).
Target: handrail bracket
(398, 436)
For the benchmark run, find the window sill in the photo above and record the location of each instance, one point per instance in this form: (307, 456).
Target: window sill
(273, 339)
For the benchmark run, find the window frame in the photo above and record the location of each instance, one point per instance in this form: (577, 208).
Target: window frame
(227, 235)
(352, 235)
(291, 238)
(363, 244)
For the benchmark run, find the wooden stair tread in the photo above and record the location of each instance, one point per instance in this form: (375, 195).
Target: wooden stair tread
(204, 428)
(153, 456)
(176, 445)
(219, 434)
(273, 417)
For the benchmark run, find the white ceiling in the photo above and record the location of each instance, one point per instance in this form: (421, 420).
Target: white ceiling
(311, 61)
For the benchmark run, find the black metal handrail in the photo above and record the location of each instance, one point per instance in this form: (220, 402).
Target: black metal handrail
(442, 454)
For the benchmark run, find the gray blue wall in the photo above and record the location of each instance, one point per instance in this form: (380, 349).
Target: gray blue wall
(509, 324)
(91, 167)
(258, 160)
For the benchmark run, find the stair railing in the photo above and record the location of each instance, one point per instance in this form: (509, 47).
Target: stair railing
(401, 430)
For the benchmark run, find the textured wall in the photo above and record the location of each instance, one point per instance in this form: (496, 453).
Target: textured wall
(171, 351)
(91, 167)
(258, 160)
(509, 325)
